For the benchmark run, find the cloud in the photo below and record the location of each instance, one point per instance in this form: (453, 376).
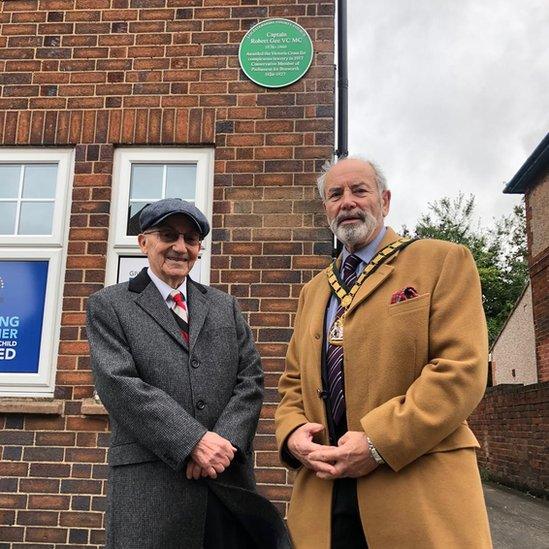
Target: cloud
(448, 96)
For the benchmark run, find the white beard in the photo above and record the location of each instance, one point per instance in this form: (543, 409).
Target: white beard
(357, 234)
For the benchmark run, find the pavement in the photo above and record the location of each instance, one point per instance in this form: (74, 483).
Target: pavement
(517, 520)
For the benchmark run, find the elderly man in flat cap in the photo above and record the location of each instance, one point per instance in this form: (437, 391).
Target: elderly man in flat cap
(176, 367)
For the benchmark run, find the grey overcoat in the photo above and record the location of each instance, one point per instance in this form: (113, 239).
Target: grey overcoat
(162, 395)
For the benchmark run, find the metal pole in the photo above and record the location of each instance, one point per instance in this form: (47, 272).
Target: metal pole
(342, 81)
(342, 95)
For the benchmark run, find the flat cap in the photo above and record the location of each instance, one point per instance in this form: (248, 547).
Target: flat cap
(155, 213)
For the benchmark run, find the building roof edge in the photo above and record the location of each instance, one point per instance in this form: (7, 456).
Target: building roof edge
(528, 173)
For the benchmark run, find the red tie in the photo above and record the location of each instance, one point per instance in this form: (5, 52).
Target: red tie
(180, 311)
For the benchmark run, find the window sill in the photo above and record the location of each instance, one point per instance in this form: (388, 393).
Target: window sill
(12, 405)
(93, 407)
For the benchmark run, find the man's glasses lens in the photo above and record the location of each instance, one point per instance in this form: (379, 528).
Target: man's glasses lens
(167, 235)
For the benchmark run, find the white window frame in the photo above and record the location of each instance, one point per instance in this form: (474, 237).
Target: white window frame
(122, 245)
(52, 248)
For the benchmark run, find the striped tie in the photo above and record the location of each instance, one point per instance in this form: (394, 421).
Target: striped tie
(334, 357)
(180, 312)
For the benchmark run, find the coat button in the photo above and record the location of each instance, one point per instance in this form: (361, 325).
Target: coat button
(201, 405)
(195, 363)
(317, 336)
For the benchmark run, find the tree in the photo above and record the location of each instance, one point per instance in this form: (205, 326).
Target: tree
(500, 253)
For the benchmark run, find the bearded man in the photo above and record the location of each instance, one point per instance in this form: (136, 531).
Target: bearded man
(387, 360)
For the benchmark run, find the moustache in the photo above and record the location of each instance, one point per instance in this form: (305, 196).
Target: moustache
(354, 214)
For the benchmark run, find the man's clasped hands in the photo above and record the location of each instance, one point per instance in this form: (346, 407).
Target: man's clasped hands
(350, 458)
(210, 457)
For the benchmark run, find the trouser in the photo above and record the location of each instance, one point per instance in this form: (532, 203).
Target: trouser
(222, 530)
(347, 532)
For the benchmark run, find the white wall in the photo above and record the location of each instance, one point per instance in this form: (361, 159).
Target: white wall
(516, 346)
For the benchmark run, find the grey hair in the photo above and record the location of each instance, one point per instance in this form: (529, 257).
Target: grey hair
(379, 177)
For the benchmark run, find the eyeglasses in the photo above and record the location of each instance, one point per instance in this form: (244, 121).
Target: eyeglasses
(169, 236)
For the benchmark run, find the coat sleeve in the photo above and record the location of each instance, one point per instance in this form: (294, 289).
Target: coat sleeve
(238, 420)
(290, 413)
(452, 383)
(153, 417)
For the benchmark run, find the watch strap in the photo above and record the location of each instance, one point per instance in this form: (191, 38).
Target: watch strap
(375, 454)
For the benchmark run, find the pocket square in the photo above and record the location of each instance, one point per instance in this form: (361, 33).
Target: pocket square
(402, 295)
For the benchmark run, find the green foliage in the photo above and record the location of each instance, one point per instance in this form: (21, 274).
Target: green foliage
(500, 253)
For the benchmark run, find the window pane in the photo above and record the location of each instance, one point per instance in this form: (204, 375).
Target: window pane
(9, 180)
(36, 218)
(181, 181)
(7, 217)
(146, 181)
(133, 217)
(40, 181)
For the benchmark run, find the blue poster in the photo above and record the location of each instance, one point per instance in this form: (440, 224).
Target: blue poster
(22, 296)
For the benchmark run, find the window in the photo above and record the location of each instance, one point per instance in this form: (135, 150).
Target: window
(27, 196)
(142, 176)
(34, 190)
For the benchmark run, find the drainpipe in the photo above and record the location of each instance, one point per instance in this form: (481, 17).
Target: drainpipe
(342, 95)
(342, 81)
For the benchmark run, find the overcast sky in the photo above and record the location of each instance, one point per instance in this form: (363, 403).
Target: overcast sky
(448, 96)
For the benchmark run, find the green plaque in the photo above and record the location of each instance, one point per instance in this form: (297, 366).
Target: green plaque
(275, 53)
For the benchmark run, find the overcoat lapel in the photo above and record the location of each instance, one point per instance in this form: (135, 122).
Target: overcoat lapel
(380, 275)
(371, 284)
(150, 300)
(198, 309)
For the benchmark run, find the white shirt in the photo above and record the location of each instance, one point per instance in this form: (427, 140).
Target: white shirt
(165, 289)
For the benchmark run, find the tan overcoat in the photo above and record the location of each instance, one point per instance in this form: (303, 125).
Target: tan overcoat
(414, 371)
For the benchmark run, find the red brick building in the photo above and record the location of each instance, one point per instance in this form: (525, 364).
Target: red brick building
(96, 98)
(512, 422)
(532, 180)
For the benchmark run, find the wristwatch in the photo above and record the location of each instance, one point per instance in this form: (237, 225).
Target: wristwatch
(375, 454)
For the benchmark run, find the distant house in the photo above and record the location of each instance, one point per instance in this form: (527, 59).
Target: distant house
(532, 180)
(511, 422)
(513, 353)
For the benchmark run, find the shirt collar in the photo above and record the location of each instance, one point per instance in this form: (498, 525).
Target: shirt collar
(165, 289)
(366, 253)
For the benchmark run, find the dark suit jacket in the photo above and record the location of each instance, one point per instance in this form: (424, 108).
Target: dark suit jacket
(162, 395)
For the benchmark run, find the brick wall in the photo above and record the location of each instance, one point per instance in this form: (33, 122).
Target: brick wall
(539, 276)
(512, 426)
(96, 74)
